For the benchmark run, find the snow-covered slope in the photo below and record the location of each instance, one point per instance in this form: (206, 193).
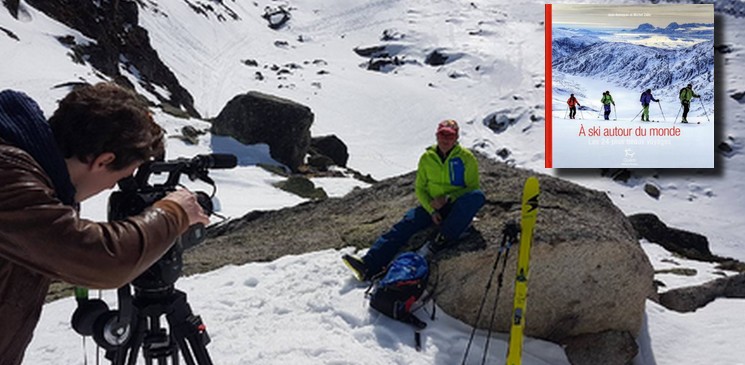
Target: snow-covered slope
(312, 60)
(568, 42)
(495, 65)
(639, 67)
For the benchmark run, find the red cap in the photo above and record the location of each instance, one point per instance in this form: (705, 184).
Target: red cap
(448, 128)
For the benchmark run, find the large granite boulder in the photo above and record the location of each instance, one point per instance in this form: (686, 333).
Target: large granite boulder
(589, 277)
(588, 273)
(282, 124)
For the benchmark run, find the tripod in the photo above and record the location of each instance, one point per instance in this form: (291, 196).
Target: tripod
(188, 336)
(137, 323)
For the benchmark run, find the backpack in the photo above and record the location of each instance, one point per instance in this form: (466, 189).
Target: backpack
(402, 285)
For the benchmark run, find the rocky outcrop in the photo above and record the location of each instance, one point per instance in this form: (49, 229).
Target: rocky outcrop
(588, 273)
(12, 6)
(119, 41)
(688, 299)
(332, 147)
(282, 124)
(688, 244)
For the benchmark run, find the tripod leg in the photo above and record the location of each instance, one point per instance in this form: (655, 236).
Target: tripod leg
(134, 347)
(186, 326)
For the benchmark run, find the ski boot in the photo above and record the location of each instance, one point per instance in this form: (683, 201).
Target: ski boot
(358, 267)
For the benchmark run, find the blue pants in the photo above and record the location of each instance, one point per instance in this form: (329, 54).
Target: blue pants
(607, 111)
(456, 218)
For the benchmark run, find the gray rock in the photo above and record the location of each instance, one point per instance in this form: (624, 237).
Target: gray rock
(652, 190)
(283, 124)
(690, 298)
(501, 120)
(688, 244)
(303, 187)
(320, 162)
(740, 97)
(332, 147)
(276, 17)
(436, 58)
(589, 274)
(607, 348)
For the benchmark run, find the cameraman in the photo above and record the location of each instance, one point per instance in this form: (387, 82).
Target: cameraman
(98, 135)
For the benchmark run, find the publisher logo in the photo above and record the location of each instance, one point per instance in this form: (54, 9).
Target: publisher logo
(629, 157)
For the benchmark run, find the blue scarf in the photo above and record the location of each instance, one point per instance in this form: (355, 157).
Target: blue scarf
(22, 124)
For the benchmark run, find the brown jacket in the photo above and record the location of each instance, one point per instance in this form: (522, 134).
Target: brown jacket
(42, 239)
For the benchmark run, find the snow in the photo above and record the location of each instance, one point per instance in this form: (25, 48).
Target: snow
(675, 145)
(664, 262)
(298, 309)
(306, 309)
(713, 339)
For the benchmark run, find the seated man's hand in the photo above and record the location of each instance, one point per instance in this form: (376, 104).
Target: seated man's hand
(436, 218)
(439, 202)
(187, 200)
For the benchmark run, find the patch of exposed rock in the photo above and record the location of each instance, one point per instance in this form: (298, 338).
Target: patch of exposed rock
(688, 299)
(588, 276)
(119, 42)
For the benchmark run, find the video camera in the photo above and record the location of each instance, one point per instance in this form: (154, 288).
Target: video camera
(154, 293)
(136, 193)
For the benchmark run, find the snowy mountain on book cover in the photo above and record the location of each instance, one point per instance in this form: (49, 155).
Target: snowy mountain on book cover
(620, 90)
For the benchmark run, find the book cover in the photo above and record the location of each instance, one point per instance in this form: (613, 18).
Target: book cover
(630, 86)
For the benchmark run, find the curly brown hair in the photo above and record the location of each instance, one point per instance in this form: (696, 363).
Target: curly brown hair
(105, 117)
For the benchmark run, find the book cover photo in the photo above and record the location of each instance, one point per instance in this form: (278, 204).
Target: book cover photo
(630, 86)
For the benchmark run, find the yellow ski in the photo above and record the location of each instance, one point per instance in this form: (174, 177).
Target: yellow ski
(527, 222)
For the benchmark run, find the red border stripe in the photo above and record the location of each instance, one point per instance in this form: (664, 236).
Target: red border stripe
(549, 119)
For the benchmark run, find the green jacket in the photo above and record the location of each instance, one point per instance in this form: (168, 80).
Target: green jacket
(457, 175)
(687, 94)
(607, 99)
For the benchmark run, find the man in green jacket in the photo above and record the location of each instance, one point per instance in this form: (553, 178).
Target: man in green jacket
(686, 94)
(447, 188)
(607, 100)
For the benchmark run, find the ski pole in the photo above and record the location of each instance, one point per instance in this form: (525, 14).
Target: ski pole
(615, 114)
(510, 232)
(705, 113)
(663, 113)
(581, 114)
(565, 113)
(676, 115)
(504, 248)
(637, 114)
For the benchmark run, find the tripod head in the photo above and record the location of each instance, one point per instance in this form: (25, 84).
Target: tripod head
(154, 288)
